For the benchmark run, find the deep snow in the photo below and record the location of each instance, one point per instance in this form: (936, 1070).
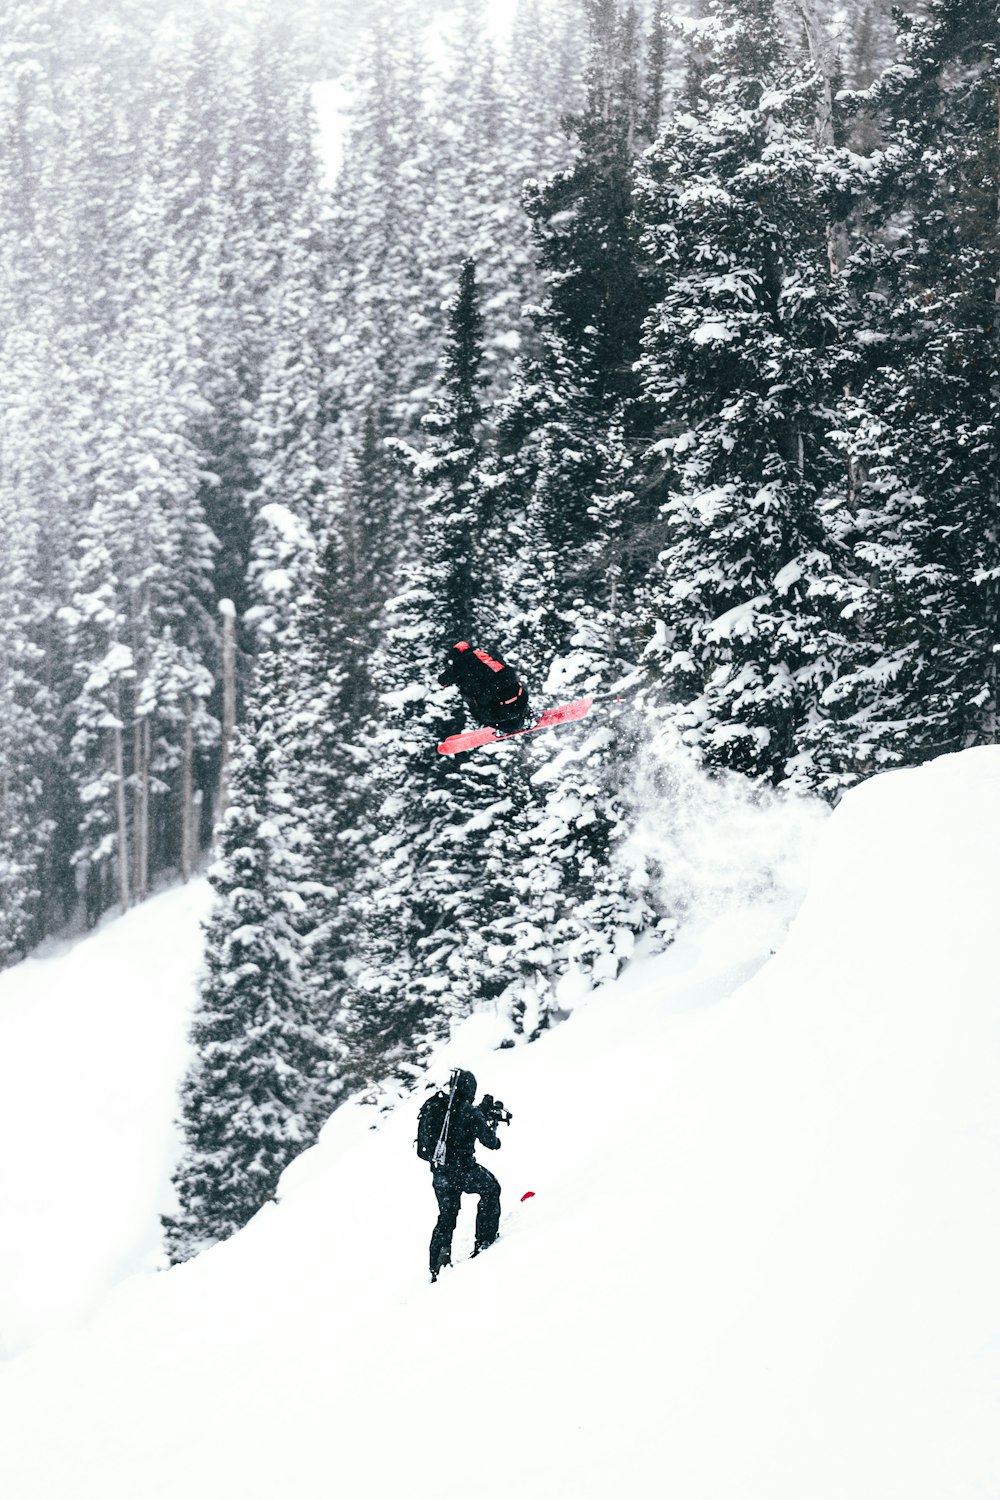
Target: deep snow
(760, 1262)
(93, 1040)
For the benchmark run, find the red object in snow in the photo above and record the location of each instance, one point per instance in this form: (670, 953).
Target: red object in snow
(526, 1196)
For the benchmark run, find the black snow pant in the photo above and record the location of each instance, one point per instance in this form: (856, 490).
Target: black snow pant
(449, 1185)
(492, 713)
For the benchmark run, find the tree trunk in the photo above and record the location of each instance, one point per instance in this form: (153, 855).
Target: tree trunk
(819, 56)
(228, 613)
(613, 617)
(187, 791)
(141, 741)
(123, 872)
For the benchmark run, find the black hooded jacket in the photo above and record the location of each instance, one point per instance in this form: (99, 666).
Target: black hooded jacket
(468, 1125)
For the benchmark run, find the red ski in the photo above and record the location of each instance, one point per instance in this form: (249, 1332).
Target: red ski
(550, 719)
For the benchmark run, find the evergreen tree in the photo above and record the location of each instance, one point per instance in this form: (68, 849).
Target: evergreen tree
(276, 293)
(450, 539)
(43, 412)
(582, 218)
(553, 430)
(289, 452)
(382, 304)
(546, 59)
(743, 367)
(27, 742)
(29, 138)
(140, 624)
(257, 1091)
(562, 512)
(162, 391)
(483, 148)
(922, 426)
(433, 164)
(98, 261)
(415, 967)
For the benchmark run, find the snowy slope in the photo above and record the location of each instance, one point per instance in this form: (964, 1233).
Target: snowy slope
(92, 1044)
(761, 1259)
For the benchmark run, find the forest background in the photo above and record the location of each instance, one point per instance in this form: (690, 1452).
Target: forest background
(659, 353)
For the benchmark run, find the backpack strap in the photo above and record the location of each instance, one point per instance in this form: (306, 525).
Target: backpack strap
(441, 1149)
(489, 661)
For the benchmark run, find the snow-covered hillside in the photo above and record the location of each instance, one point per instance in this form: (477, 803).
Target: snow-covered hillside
(93, 1041)
(760, 1261)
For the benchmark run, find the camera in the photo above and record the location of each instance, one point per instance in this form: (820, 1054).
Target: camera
(494, 1111)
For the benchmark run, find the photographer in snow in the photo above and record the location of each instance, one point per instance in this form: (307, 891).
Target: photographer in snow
(449, 1127)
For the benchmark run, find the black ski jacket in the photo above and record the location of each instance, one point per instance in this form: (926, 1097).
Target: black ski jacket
(491, 688)
(468, 1125)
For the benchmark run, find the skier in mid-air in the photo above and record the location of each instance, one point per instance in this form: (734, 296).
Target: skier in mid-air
(454, 1169)
(491, 689)
(498, 700)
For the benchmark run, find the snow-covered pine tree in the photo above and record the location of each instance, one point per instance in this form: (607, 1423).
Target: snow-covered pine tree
(369, 525)
(155, 180)
(475, 208)
(424, 908)
(488, 136)
(41, 416)
(923, 425)
(140, 625)
(333, 716)
(98, 252)
(553, 429)
(381, 314)
(97, 630)
(433, 162)
(546, 59)
(562, 511)
(656, 77)
(29, 140)
(447, 473)
(27, 736)
(194, 199)
(258, 1089)
(743, 369)
(277, 292)
(328, 718)
(581, 216)
(384, 315)
(289, 448)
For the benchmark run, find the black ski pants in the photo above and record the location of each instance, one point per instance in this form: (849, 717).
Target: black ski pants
(449, 1185)
(488, 711)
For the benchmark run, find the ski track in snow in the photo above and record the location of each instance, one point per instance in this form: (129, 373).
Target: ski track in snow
(760, 1262)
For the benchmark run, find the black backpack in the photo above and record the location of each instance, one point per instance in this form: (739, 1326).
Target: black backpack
(431, 1126)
